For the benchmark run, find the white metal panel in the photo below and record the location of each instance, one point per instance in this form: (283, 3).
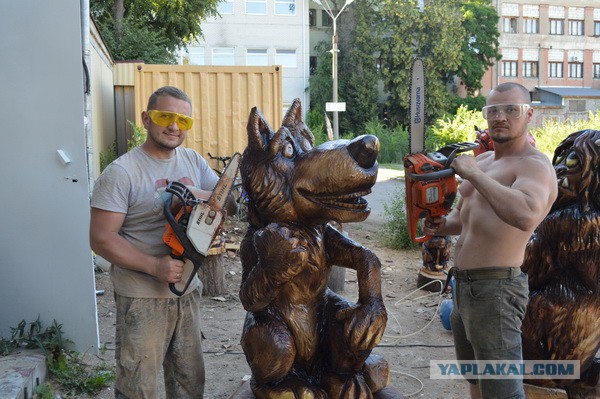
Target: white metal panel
(46, 263)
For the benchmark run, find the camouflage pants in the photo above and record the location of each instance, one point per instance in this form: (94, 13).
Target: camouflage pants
(154, 334)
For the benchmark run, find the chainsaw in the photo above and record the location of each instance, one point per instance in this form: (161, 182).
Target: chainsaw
(430, 182)
(191, 232)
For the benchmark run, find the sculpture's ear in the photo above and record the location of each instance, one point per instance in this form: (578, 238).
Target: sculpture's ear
(259, 131)
(293, 116)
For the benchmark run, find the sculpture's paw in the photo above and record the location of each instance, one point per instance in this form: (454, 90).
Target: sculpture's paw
(345, 387)
(364, 325)
(288, 389)
(282, 250)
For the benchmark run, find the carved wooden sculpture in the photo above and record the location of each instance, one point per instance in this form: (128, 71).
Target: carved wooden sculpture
(435, 253)
(301, 339)
(563, 263)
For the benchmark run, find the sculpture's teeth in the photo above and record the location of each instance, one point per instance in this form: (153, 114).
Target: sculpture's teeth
(565, 182)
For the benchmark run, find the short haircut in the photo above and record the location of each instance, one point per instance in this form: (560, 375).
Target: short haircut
(502, 87)
(167, 91)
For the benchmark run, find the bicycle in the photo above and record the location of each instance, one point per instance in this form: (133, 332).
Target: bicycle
(238, 192)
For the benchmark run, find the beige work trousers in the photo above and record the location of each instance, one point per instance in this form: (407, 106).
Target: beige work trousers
(154, 334)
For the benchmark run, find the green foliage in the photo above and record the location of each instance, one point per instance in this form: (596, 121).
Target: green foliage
(454, 129)
(136, 42)
(66, 367)
(472, 103)
(358, 74)
(396, 234)
(551, 134)
(108, 155)
(76, 377)
(150, 30)
(315, 121)
(480, 44)
(138, 137)
(435, 35)
(393, 142)
(320, 82)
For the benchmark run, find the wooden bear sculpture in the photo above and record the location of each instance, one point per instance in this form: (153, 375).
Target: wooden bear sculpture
(301, 339)
(562, 260)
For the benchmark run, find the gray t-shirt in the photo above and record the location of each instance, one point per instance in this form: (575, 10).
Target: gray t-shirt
(134, 184)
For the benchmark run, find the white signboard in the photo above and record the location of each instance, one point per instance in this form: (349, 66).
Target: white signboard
(335, 107)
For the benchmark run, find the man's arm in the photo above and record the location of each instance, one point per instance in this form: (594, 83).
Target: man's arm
(106, 242)
(525, 202)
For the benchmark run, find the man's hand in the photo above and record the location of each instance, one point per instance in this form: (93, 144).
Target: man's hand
(465, 166)
(168, 270)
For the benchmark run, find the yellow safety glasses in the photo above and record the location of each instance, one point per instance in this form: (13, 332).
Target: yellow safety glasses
(166, 119)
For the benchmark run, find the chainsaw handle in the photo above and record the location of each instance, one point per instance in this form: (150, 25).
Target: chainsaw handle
(172, 286)
(433, 175)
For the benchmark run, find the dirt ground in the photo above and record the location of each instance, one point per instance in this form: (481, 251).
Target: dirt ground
(414, 333)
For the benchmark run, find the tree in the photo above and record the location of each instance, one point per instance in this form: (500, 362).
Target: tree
(480, 47)
(358, 74)
(436, 35)
(155, 29)
(320, 82)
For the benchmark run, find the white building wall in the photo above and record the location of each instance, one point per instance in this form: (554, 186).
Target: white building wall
(242, 31)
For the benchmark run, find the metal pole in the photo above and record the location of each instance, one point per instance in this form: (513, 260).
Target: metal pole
(334, 71)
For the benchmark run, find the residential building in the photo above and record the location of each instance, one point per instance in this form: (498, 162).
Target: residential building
(259, 32)
(552, 47)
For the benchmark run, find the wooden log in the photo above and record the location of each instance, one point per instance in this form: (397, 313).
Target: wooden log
(212, 275)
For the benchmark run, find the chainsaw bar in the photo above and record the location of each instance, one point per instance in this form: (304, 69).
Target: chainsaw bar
(417, 107)
(206, 218)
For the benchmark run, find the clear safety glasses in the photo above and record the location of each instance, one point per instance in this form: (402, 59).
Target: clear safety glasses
(510, 110)
(166, 119)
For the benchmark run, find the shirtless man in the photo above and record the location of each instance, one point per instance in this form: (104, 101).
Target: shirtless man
(505, 194)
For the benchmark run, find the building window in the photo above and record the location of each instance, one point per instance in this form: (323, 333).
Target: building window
(530, 69)
(286, 58)
(596, 71)
(257, 57)
(596, 28)
(326, 19)
(223, 56)
(509, 68)
(312, 17)
(557, 27)
(555, 69)
(575, 69)
(194, 56)
(576, 28)
(225, 7)
(256, 7)
(576, 105)
(509, 24)
(285, 7)
(531, 25)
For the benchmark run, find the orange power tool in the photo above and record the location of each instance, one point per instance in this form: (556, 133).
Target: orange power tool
(431, 184)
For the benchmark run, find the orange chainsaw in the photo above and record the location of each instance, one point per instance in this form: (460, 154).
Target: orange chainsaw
(191, 232)
(431, 184)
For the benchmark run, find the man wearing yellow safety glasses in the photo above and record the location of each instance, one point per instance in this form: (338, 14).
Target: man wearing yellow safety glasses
(155, 328)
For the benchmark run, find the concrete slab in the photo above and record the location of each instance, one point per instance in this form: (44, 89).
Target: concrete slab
(20, 373)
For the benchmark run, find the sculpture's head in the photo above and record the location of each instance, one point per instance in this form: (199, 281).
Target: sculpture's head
(287, 180)
(577, 164)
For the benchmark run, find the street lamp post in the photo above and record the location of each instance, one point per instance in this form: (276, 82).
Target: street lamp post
(334, 67)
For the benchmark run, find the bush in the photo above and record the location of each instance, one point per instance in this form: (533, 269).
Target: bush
(551, 134)
(454, 128)
(395, 233)
(393, 142)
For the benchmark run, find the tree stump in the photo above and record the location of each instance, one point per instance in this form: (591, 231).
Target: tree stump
(212, 272)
